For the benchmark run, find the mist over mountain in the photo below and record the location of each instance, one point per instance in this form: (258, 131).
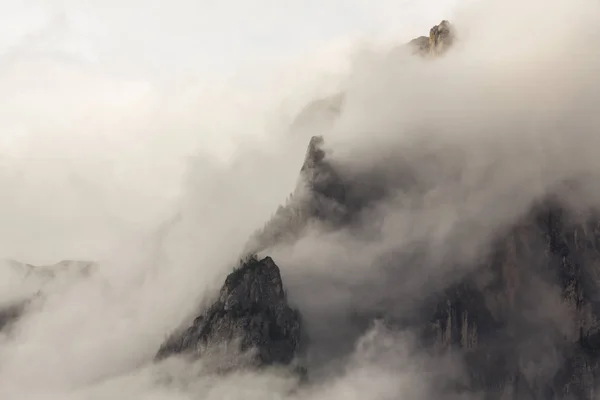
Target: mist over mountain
(426, 227)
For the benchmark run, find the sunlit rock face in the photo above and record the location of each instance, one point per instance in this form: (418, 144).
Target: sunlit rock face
(440, 39)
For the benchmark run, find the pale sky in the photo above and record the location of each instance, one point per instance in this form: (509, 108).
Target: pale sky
(161, 38)
(102, 101)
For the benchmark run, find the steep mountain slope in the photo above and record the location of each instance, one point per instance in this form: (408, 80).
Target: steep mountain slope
(252, 313)
(323, 197)
(523, 318)
(526, 320)
(520, 315)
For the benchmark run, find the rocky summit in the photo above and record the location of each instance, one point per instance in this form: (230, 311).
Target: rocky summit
(251, 314)
(439, 40)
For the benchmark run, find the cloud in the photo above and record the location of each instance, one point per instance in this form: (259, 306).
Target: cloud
(94, 163)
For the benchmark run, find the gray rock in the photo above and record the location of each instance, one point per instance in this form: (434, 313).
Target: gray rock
(530, 329)
(319, 195)
(441, 37)
(251, 314)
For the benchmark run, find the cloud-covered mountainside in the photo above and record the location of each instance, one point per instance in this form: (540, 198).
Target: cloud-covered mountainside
(517, 305)
(441, 241)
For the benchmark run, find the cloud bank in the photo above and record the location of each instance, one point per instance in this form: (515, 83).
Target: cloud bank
(484, 132)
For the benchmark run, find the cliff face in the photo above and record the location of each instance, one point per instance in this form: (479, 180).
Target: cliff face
(250, 316)
(529, 329)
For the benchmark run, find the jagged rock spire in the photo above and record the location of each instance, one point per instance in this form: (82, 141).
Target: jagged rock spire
(251, 315)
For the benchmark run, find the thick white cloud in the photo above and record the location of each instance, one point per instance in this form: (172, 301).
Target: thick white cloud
(102, 103)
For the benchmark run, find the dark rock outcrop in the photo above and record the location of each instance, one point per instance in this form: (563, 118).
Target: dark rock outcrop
(419, 45)
(440, 39)
(251, 314)
(531, 329)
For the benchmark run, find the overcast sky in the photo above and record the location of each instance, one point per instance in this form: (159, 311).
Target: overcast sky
(102, 101)
(193, 38)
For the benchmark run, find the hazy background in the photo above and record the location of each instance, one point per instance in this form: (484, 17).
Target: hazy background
(102, 105)
(101, 101)
(151, 137)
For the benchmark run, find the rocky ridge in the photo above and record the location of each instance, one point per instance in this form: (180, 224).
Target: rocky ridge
(511, 346)
(251, 316)
(322, 196)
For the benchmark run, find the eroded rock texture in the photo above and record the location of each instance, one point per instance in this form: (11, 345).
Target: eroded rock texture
(529, 329)
(250, 314)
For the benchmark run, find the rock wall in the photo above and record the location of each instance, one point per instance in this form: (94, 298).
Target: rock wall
(250, 316)
(530, 330)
